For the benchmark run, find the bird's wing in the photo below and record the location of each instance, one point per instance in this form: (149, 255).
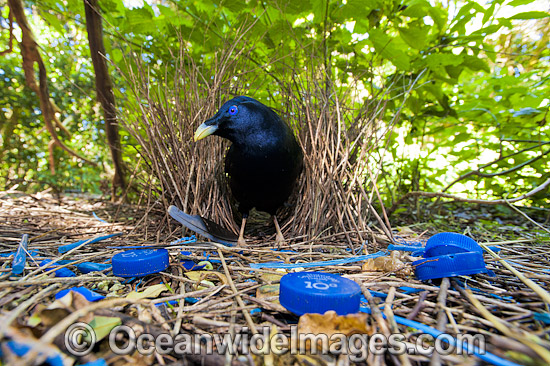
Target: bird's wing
(204, 227)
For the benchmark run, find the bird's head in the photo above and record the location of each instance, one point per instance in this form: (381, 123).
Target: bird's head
(236, 119)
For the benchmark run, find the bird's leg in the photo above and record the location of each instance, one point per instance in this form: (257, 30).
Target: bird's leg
(241, 242)
(279, 238)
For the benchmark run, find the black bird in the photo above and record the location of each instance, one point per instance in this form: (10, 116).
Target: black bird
(264, 160)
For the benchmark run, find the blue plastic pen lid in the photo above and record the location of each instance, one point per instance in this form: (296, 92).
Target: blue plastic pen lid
(449, 243)
(140, 262)
(318, 292)
(457, 264)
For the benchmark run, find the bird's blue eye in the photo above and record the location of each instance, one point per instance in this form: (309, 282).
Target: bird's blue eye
(233, 110)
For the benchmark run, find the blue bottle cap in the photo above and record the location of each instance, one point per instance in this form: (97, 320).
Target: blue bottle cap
(88, 294)
(457, 264)
(318, 292)
(449, 243)
(140, 262)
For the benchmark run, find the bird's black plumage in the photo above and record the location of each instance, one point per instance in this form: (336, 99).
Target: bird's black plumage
(264, 160)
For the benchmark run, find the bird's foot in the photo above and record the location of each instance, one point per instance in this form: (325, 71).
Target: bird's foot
(280, 240)
(241, 242)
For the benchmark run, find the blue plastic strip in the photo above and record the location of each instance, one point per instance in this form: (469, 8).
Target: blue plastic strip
(333, 262)
(20, 257)
(98, 219)
(185, 240)
(482, 355)
(65, 248)
(87, 267)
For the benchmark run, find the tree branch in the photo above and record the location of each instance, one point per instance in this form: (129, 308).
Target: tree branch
(30, 54)
(104, 90)
(513, 169)
(457, 198)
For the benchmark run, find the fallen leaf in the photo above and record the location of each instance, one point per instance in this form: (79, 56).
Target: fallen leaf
(150, 292)
(200, 276)
(331, 324)
(102, 325)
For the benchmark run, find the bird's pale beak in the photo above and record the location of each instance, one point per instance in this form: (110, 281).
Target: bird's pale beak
(204, 130)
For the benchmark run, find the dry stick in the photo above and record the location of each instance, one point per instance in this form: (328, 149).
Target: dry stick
(377, 315)
(527, 217)
(177, 323)
(419, 305)
(441, 316)
(526, 339)
(58, 280)
(544, 295)
(239, 299)
(403, 357)
(12, 315)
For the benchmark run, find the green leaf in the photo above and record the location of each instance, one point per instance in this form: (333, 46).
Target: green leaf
(436, 60)
(102, 325)
(530, 15)
(475, 63)
(519, 2)
(54, 22)
(357, 9)
(414, 37)
(416, 9)
(116, 54)
(489, 13)
(387, 48)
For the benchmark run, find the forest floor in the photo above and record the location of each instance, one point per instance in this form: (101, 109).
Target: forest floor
(233, 294)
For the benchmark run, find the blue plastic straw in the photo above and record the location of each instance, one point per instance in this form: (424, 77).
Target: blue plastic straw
(65, 248)
(333, 262)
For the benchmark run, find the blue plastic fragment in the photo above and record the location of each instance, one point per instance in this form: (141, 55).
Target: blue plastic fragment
(88, 294)
(207, 255)
(459, 344)
(185, 240)
(65, 248)
(87, 267)
(98, 362)
(190, 264)
(333, 262)
(61, 272)
(21, 349)
(171, 302)
(191, 300)
(410, 290)
(542, 317)
(98, 219)
(255, 311)
(458, 264)
(20, 257)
